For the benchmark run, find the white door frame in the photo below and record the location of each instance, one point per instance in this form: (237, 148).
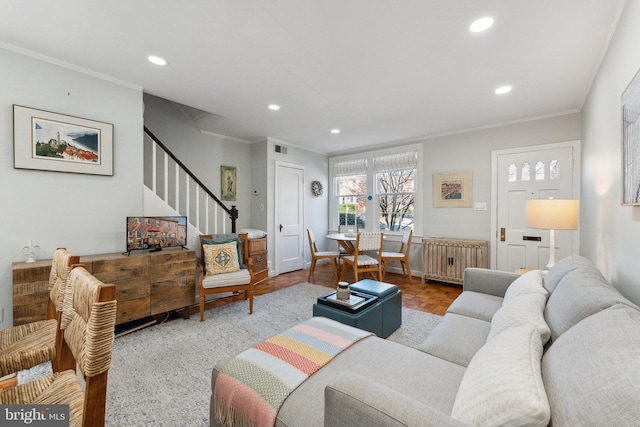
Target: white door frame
(494, 186)
(276, 256)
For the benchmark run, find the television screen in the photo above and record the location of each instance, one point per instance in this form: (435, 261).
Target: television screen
(156, 232)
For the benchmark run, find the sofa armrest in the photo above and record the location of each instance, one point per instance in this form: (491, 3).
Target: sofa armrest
(492, 282)
(354, 400)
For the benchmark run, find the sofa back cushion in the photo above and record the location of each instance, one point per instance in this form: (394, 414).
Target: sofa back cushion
(592, 372)
(529, 283)
(564, 266)
(502, 384)
(525, 309)
(579, 294)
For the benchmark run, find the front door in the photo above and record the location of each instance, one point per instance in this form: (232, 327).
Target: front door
(537, 172)
(289, 198)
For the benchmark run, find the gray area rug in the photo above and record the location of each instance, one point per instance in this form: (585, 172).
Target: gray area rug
(161, 375)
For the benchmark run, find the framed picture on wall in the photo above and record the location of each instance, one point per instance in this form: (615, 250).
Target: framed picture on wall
(631, 142)
(228, 183)
(452, 190)
(43, 140)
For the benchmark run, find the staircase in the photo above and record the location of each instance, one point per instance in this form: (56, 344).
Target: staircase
(172, 182)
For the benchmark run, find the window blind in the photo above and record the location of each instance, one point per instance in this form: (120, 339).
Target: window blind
(350, 167)
(396, 161)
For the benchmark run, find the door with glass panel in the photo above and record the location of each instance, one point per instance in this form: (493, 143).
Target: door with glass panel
(538, 172)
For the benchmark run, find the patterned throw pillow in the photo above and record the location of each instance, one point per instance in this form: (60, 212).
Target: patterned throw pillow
(221, 258)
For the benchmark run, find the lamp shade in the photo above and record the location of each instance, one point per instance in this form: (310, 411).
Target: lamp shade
(556, 214)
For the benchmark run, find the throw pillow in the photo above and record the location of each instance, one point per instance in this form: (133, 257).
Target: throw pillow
(221, 258)
(226, 238)
(522, 310)
(530, 282)
(503, 383)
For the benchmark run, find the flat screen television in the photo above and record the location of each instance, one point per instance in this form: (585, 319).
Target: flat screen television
(156, 232)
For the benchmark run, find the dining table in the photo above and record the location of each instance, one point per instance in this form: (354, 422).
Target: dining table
(346, 240)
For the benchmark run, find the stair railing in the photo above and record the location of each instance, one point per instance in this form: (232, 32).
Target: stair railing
(172, 181)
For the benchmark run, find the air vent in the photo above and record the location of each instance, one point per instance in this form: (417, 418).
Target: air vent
(281, 149)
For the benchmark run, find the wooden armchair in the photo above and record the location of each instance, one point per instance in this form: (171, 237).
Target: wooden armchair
(28, 345)
(220, 270)
(88, 321)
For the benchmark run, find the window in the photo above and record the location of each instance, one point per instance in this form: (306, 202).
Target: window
(377, 191)
(539, 170)
(395, 190)
(526, 171)
(554, 169)
(351, 183)
(513, 172)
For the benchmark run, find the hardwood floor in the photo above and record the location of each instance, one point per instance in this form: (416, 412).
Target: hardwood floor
(432, 297)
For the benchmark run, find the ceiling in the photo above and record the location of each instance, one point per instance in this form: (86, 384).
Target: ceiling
(380, 71)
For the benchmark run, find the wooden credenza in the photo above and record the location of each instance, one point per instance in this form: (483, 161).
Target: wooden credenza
(446, 259)
(147, 283)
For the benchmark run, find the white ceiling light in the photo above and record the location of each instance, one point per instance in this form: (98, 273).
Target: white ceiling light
(481, 24)
(503, 89)
(157, 60)
(335, 131)
(274, 107)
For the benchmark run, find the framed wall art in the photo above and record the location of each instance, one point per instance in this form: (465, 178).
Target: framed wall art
(452, 190)
(228, 183)
(630, 101)
(43, 140)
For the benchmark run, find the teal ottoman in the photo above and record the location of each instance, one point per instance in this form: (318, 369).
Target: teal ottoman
(369, 319)
(389, 297)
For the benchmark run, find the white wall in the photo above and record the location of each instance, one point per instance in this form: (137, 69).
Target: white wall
(472, 151)
(610, 232)
(84, 213)
(202, 153)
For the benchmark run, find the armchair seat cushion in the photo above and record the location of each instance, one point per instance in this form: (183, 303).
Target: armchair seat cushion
(242, 277)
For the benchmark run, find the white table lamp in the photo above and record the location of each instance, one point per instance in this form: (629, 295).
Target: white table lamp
(552, 214)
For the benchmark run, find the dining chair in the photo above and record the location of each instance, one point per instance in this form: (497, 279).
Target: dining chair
(317, 255)
(402, 256)
(360, 262)
(88, 321)
(345, 229)
(25, 346)
(225, 266)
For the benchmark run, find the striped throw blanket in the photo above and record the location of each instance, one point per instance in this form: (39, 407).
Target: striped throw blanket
(252, 386)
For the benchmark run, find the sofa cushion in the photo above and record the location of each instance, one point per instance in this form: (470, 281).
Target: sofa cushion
(503, 383)
(526, 309)
(592, 372)
(456, 338)
(579, 294)
(242, 277)
(564, 266)
(528, 283)
(476, 304)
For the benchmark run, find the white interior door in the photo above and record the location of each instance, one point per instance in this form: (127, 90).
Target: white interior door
(537, 173)
(289, 198)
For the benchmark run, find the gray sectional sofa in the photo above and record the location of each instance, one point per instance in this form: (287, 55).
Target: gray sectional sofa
(511, 350)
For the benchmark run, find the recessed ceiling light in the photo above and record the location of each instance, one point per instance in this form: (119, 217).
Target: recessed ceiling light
(274, 107)
(503, 89)
(334, 131)
(157, 60)
(481, 24)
